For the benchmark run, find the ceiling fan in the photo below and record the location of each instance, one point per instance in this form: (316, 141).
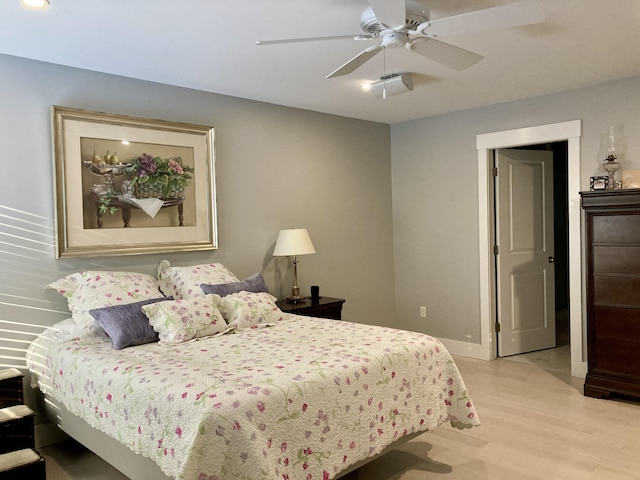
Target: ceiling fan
(396, 23)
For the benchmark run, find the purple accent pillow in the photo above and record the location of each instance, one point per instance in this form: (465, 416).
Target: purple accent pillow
(254, 283)
(127, 324)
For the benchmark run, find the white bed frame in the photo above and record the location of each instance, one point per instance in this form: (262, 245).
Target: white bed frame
(131, 464)
(111, 451)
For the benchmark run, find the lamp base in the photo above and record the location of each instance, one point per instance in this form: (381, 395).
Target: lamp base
(295, 295)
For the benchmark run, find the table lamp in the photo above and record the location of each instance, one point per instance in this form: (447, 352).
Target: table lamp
(291, 243)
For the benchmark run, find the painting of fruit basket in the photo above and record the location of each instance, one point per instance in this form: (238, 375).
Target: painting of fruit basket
(129, 185)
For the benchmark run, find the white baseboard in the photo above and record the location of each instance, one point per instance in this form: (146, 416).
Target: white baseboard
(466, 349)
(579, 369)
(480, 352)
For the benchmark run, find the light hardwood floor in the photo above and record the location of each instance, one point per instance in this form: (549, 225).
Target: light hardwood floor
(536, 424)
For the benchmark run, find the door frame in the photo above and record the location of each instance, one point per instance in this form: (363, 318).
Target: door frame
(486, 143)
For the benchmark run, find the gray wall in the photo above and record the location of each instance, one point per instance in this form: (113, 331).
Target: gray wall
(276, 168)
(435, 195)
(279, 167)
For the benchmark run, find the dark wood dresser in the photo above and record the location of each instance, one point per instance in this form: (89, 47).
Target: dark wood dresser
(613, 292)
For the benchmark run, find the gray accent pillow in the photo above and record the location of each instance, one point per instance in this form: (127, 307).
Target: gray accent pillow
(127, 324)
(254, 283)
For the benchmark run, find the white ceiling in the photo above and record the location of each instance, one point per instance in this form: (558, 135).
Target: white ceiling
(210, 45)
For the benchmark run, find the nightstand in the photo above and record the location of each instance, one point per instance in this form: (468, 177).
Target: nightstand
(324, 307)
(18, 459)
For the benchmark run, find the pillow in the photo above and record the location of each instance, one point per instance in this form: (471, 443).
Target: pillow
(254, 283)
(96, 289)
(127, 324)
(184, 282)
(247, 309)
(179, 321)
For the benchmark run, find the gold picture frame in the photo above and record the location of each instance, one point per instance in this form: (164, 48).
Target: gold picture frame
(90, 222)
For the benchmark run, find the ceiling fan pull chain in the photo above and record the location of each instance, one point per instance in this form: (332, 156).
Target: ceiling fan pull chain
(384, 71)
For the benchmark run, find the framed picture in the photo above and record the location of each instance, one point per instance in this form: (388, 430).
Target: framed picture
(128, 185)
(599, 183)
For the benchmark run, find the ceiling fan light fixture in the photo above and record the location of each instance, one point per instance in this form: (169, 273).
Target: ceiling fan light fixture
(392, 84)
(394, 39)
(36, 3)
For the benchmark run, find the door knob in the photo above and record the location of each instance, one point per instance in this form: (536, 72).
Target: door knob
(552, 260)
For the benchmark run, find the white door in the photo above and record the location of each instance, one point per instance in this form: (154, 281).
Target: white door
(525, 254)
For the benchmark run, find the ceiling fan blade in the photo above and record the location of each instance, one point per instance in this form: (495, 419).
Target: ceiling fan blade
(313, 39)
(527, 12)
(391, 13)
(453, 57)
(356, 61)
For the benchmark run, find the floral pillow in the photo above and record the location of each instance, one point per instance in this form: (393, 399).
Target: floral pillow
(87, 290)
(184, 282)
(254, 283)
(248, 309)
(179, 321)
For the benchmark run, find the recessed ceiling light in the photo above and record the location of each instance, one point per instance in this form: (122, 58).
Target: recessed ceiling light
(36, 3)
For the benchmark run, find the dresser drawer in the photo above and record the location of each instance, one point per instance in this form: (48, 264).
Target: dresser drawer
(616, 228)
(617, 342)
(616, 259)
(616, 290)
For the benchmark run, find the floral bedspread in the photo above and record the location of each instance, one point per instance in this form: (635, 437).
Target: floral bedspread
(302, 399)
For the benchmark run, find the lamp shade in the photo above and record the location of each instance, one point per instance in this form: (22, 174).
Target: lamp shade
(292, 242)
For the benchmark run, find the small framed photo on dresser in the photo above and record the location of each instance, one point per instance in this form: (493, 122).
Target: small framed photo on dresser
(599, 183)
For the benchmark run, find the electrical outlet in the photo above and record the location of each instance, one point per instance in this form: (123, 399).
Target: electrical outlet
(423, 311)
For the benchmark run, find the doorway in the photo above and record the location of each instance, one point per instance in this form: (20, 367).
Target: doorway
(485, 144)
(531, 316)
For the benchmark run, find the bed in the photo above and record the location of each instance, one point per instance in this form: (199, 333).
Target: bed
(289, 397)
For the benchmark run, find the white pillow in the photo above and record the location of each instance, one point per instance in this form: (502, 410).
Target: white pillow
(179, 321)
(184, 282)
(249, 309)
(96, 289)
